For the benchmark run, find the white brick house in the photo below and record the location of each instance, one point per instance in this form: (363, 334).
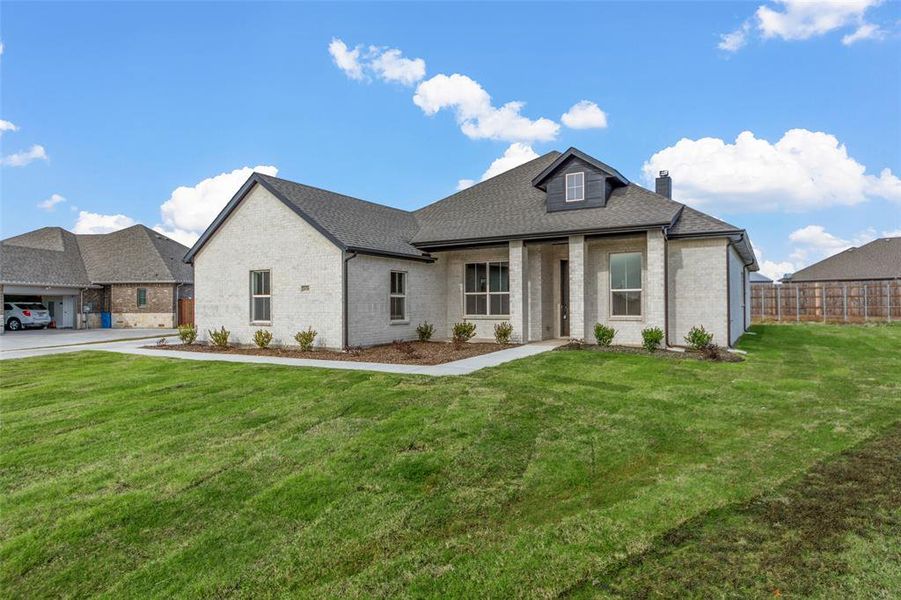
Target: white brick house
(552, 246)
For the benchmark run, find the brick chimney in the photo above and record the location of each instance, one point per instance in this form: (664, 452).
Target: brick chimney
(664, 185)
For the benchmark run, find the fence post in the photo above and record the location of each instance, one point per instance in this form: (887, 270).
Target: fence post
(845, 302)
(797, 304)
(866, 312)
(779, 304)
(888, 298)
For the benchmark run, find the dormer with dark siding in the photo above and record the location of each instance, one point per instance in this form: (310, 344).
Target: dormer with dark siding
(599, 181)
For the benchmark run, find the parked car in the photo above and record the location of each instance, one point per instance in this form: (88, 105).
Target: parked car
(19, 315)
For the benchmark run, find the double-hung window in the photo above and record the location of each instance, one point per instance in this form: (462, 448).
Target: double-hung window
(260, 297)
(575, 187)
(486, 289)
(625, 284)
(141, 297)
(398, 296)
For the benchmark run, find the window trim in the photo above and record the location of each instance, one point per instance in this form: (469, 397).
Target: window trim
(138, 297)
(581, 187)
(487, 293)
(255, 296)
(640, 290)
(405, 318)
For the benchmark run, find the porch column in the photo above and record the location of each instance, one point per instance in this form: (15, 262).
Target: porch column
(578, 259)
(519, 291)
(655, 302)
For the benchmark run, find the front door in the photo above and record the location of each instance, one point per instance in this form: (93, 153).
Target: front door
(564, 298)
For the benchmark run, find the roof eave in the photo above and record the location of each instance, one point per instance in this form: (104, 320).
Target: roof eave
(538, 180)
(538, 236)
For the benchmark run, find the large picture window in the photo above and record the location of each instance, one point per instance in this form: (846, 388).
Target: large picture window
(398, 299)
(260, 297)
(486, 289)
(625, 284)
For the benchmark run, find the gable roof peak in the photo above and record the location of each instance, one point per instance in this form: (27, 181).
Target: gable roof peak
(569, 154)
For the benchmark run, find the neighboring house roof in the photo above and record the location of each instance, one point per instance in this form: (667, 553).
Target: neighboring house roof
(757, 277)
(507, 206)
(880, 259)
(52, 256)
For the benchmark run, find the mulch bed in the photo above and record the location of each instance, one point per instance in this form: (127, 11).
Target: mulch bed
(720, 356)
(400, 353)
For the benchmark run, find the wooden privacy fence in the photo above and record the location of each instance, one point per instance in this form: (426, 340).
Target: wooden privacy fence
(845, 302)
(186, 311)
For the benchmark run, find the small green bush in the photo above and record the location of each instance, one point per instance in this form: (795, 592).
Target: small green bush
(305, 338)
(463, 332)
(651, 338)
(219, 338)
(699, 338)
(187, 333)
(424, 330)
(262, 338)
(502, 332)
(603, 334)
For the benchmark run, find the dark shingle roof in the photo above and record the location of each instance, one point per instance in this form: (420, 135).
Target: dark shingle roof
(353, 223)
(56, 257)
(508, 205)
(693, 221)
(136, 254)
(46, 256)
(880, 259)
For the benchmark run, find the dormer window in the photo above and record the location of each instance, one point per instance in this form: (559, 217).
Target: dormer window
(575, 187)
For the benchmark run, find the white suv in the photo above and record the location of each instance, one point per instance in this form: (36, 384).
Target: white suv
(18, 315)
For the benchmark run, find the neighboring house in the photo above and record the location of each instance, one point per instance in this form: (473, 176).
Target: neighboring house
(757, 277)
(878, 261)
(128, 278)
(552, 246)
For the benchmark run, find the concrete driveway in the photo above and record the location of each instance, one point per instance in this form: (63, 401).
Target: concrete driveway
(34, 339)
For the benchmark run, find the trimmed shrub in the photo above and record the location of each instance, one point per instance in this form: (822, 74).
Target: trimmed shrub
(219, 338)
(305, 339)
(651, 338)
(262, 338)
(424, 330)
(699, 338)
(603, 334)
(502, 332)
(463, 332)
(187, 333)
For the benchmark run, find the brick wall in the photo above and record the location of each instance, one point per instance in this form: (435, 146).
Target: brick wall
(124, 298)
(698, 288)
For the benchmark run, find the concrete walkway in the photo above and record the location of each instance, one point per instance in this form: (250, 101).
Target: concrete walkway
(30, 339)
(458, 367)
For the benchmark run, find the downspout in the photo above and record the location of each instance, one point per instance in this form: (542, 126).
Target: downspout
(175, 299)
(666, 287)
(347, 259)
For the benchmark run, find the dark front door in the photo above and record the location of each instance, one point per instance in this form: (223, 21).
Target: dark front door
(564, 298)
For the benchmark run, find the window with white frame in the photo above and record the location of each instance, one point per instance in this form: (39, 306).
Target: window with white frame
(486, 289)
(575, 187)
(398, 296)
(260, 297)
(625, 284)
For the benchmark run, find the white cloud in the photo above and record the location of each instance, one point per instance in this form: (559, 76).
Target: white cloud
(775, 270)
(89, 222)
(50, 203)
(477, 117)
(804, 19)
(2, 48)
(867, 31)
(190, 209)
(735, 40)
(803, 170)
(7, 126)
(390, 65)
(20, 159)
(347, 60)
(585, 115)
(515, 155)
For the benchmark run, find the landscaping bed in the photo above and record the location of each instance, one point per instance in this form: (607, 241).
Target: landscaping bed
(721, 355)
(398, 353)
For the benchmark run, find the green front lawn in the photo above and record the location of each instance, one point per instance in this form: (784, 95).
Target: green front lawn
(565, 473)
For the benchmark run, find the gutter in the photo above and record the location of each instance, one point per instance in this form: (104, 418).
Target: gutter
(344, 308)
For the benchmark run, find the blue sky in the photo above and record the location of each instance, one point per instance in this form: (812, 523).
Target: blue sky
(129, 112)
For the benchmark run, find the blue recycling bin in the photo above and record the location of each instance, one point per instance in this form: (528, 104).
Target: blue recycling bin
(106, 320)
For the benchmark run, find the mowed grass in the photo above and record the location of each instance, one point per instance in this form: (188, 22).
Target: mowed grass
(562, 474)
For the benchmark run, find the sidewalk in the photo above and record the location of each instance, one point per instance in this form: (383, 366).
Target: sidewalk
(458, 367)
